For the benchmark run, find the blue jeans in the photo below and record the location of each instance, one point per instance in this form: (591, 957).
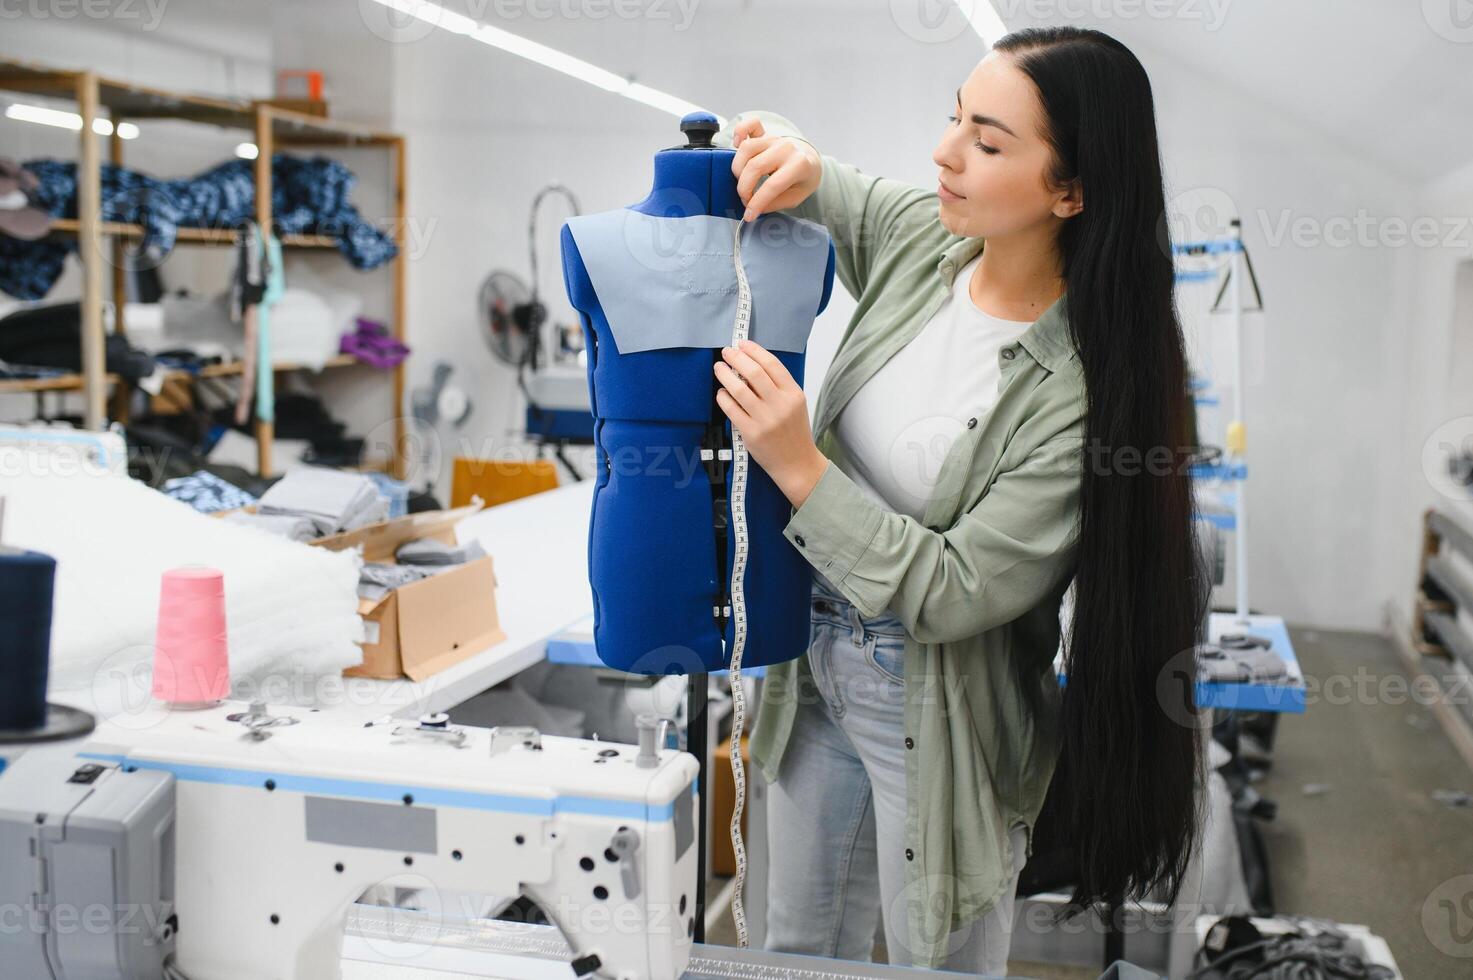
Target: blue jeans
(837, 813)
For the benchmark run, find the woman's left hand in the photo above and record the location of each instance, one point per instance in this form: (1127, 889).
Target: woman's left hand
(769, 409)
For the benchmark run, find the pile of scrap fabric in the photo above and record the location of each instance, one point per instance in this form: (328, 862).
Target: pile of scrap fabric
(309, 196)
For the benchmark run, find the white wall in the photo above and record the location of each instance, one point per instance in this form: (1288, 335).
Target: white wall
(1322, 387)
(1435, 368)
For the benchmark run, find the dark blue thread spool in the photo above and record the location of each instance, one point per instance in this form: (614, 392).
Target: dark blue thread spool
(27, 583)
(27, 588)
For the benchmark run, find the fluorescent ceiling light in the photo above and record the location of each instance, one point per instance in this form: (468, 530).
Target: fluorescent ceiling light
(984, 19)
(584, 71)
(66, 120)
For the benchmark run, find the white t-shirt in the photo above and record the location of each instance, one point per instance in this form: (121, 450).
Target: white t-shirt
(899, 426)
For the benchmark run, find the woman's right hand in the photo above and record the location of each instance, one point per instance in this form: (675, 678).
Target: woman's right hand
(791, 165)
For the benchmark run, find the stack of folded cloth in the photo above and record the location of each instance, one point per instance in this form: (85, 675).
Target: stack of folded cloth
(313, 501)
(417, 559)
(333, 501)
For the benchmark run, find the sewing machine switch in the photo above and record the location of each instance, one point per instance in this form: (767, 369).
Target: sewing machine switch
(624, 844)
(586, 965)
(86, 774)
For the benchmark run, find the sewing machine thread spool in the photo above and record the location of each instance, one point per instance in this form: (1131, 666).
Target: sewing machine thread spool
(26, 587)
(191, 665)
(27, 592)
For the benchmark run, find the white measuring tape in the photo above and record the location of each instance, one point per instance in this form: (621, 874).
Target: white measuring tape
(739, 603)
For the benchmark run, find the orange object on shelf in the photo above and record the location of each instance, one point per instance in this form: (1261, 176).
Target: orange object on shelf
(285, 87)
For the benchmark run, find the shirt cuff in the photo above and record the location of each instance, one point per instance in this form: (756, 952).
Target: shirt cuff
(834, 527)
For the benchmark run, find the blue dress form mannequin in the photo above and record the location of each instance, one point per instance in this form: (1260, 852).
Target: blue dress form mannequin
(655, 288)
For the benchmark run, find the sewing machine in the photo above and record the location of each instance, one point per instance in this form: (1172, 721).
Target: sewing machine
(238, 839)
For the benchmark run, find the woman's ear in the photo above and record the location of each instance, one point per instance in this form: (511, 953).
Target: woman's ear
(1071, 202)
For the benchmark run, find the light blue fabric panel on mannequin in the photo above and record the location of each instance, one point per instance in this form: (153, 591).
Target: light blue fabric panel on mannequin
(668, 282)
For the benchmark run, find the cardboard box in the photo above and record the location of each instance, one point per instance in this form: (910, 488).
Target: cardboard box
(422, 628)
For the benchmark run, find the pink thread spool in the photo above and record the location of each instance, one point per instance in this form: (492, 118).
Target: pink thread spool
(191, 663)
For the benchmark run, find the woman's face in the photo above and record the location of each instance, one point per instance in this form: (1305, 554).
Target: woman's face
(993, 158)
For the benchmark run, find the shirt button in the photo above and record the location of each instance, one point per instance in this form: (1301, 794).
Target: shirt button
(909, 854)
(910, 743)
(799, 539)
(972, 422)
(1008, 353)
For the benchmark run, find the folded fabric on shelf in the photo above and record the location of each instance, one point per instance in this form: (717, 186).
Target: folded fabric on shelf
(309, 195)
(51, 336)
(29, 372)
(372, 344)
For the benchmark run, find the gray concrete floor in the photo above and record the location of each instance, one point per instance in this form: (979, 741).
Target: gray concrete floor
(1373, 845)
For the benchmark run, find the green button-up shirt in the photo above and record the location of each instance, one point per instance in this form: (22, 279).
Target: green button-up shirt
(977, 583)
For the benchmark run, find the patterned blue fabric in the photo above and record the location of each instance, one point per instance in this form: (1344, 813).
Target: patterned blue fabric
(309, 196)
(207, 493)
(28, 270)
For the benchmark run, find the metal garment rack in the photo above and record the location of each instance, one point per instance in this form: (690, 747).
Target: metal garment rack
(1235, 459)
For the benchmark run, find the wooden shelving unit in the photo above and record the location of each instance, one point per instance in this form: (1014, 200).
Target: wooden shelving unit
(201, 236)
(1443, 589)
(270, 126)
(76, 382)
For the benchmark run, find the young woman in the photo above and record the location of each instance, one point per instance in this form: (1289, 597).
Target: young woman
(998, 423)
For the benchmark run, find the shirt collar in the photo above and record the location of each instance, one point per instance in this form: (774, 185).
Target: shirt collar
(1048, 339)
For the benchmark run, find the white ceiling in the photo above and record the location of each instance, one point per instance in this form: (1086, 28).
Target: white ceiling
(1374, 75)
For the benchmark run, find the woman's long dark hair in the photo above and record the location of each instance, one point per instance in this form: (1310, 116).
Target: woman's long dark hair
(1126, 788)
